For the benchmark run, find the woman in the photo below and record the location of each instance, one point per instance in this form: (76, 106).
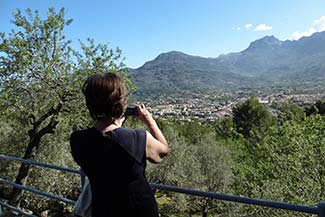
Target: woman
(113, 157)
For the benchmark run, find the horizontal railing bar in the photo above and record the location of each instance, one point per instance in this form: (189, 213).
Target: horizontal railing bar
(16, 209)
(67, 169)
(239, 199)
(227, 197)
(35, 191)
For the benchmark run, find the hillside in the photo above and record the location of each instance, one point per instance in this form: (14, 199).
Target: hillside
(267, 60)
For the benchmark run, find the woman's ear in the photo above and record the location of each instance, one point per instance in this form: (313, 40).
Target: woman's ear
(117, 110)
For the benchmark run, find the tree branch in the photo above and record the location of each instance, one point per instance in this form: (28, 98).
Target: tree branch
(52, 112)
(49, 128)
(54, 46)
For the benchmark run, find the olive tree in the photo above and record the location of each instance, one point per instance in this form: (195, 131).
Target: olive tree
(196, 161)
(41, 77)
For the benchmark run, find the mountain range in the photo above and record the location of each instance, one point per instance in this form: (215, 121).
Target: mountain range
(266, 60)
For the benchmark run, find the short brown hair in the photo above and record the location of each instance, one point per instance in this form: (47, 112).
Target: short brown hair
(106, 96)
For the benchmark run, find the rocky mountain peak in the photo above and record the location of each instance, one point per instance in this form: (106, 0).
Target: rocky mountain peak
(265, 43)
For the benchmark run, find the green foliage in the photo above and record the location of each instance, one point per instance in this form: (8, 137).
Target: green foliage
(311, 110)
(40, 98)
(39, 70)
(251, 115)
(285, 166)
(317, 108)
(225, 128)
(290, 111)
(196, 162)
(320, 104)
(13, 139)
(194, 131)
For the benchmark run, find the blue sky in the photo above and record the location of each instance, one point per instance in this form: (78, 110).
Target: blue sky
(145, 28)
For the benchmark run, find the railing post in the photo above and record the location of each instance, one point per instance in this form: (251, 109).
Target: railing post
(321, 209)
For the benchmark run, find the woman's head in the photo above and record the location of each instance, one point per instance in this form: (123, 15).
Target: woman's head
(106, 96)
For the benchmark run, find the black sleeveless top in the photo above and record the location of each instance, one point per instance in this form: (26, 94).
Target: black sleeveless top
(115, 163)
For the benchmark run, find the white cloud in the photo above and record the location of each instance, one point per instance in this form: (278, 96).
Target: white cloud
(236, 28)
(298, 35)
(248, 25)
(262, 27)
(318, 26)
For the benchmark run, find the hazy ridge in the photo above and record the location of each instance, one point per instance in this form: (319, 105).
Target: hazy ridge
(266, 61)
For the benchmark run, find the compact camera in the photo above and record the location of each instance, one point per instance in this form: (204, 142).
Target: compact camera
(131, 111)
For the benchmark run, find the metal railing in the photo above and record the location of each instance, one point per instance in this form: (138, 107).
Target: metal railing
(15, 209)
(318, 210)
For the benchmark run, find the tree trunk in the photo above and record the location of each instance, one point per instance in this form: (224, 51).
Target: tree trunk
(206, 208)
(33, 145)
(23, 173)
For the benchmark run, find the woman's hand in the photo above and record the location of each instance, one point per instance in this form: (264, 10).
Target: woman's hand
(144, 115)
